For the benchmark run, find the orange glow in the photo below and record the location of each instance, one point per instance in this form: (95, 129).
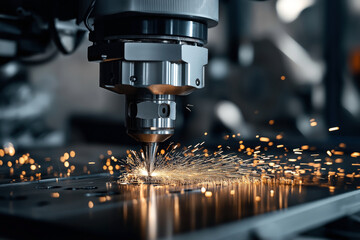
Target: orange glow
(279, 136)
(55, 195)
(72, 154)
(208, 194)
(305, 147)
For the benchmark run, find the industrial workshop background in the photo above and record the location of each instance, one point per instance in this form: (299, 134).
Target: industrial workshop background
(275, 125)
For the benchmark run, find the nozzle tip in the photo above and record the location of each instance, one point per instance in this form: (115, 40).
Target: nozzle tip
(150, 150)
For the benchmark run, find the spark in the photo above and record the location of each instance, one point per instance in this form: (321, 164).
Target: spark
(279, 137)
(304, 147)
(9, 149)
(333, 129)
(192, 164)
(188, 107)
(197, 165)
(264, 139)
(313, 124)
(342, 145)
(208, 194)
(55, 195)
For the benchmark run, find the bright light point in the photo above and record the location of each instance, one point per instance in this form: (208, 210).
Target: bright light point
(313, 124)
(55, 195)
(230, 115)
(203, 189)
(208, 194)
(289, 10)
(154, 174)
(333, 129)
(143, 172)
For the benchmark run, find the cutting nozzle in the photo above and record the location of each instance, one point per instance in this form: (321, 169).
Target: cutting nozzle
(150, 150)
(150, 119)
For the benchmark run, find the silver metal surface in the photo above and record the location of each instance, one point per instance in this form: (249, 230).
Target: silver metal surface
(150, 150)
(148, 114)
(285, 224)
(91, 203)
(207, 10)
(161, 68)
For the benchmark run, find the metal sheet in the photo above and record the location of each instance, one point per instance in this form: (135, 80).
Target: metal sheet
(96, 205)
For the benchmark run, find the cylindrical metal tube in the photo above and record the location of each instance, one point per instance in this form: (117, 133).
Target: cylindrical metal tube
(149, 117)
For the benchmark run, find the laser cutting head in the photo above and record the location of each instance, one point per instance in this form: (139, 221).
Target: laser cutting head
(151, 51)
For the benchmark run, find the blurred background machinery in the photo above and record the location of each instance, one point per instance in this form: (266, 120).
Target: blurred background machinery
(275, 67)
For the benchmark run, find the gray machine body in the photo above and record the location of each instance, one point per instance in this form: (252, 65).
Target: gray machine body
(157, 55)
(207, 10)
(143, 65)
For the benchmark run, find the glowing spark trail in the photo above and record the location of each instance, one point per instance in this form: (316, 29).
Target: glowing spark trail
(194, 164)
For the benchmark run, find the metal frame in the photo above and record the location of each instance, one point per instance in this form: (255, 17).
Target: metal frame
(286, 223)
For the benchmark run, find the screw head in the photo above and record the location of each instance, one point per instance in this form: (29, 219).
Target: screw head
(164, 110)
(197, 82)
(133, 79)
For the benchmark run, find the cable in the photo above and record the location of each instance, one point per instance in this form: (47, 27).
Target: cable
(51, 54)
(88, 12)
